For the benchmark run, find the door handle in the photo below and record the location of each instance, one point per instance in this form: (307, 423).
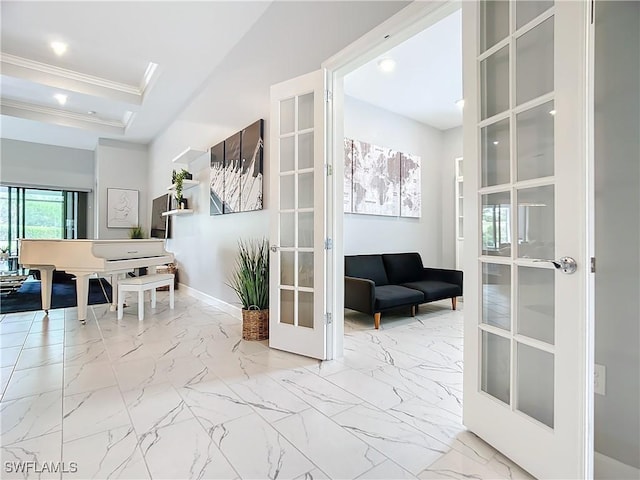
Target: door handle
(274, 248)
(566, 264)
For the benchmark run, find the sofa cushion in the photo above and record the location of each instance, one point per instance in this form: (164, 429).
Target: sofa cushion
(366, 266)
(403, 267)
(434, 289)
(389, 296)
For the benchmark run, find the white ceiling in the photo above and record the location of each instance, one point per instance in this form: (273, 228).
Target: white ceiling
(112, 45)
(427, 80)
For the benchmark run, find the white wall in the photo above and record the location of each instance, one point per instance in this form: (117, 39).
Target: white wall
(48, 166)
(121, 165)
(284, 43)
(432, 235)
(451, 149)
(617, 248)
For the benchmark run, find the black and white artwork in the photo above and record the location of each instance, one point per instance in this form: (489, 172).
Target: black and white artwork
(376, 179)
(235, 181)
(232, 173)
(410, 186)
(251, 151)
(122, 208)
(348, 175)
(216, 183)
(381, 181)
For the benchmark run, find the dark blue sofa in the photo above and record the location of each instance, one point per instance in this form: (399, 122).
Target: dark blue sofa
(376, 283)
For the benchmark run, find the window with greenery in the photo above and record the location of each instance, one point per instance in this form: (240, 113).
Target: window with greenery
(44, 214)
(496, 229)
(38, 213)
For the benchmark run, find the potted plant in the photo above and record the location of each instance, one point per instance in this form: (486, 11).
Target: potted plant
(250, 281)
(178, 182)
(136, 232)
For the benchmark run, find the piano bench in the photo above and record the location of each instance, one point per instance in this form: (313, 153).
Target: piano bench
(140, 285)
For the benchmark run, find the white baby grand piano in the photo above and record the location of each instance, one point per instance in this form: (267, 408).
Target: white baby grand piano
(83, 258)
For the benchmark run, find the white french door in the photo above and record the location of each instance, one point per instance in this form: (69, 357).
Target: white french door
(297, 269)
(526, 380)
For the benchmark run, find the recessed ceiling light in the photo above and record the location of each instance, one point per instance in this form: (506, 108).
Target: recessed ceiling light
(61, 98)
(460, 103)
(496, 142)
(387, 64)
(552, 112)
(59, 48)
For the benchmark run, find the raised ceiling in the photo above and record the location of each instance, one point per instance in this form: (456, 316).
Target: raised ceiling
(130, 67)
(427, 80)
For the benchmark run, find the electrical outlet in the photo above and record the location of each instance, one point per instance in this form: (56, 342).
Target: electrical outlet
(600, 379)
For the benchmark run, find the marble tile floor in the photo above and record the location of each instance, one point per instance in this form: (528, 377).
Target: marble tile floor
(181, 396)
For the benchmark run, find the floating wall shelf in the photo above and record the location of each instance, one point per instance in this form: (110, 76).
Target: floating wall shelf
(181, 211)
(189, 155)
(186, 184)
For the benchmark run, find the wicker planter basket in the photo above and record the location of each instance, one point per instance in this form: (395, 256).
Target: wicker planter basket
(170, 268)
(255, 324)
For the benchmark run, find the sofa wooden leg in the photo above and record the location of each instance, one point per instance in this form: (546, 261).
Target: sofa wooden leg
(413, 310)
(376, 320)
(454, 301)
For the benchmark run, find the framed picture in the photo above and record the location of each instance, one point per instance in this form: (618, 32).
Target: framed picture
(251, 147)
(232, 173)
(216, 177)
(376, 179)
(122, 208)
(348, 176)
(381, 181)
(410, 186)
(236, 174)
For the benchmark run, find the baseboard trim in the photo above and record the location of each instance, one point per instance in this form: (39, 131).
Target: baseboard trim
(607, 468)
(233, 310)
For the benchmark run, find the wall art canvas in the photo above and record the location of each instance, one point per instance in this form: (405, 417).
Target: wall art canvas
(216, 180)
(251, 154)
(122, 208)
(232, 173)
(410, 186)
(376, 179)
(236, 172)
(348, 175)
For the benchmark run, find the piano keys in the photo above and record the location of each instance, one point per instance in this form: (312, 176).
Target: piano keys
(83, 258)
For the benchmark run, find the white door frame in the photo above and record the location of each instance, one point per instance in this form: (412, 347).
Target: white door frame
(406, 23)
(411, 20)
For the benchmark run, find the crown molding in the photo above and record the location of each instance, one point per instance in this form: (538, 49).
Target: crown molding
(72, 80)
(61, 117)
(70, 74)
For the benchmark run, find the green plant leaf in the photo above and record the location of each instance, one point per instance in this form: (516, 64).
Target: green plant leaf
(250, 277)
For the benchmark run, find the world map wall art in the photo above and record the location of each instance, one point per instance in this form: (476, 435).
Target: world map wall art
(381, 181)
(237, 172)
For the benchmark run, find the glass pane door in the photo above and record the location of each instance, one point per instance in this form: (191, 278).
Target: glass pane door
(526, 375)
(297, 272)
(296, 174)
(517, 214)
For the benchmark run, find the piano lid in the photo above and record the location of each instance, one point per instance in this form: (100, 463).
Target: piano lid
(87, 252)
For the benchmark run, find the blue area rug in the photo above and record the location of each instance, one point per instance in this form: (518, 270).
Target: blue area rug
(63, 295)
